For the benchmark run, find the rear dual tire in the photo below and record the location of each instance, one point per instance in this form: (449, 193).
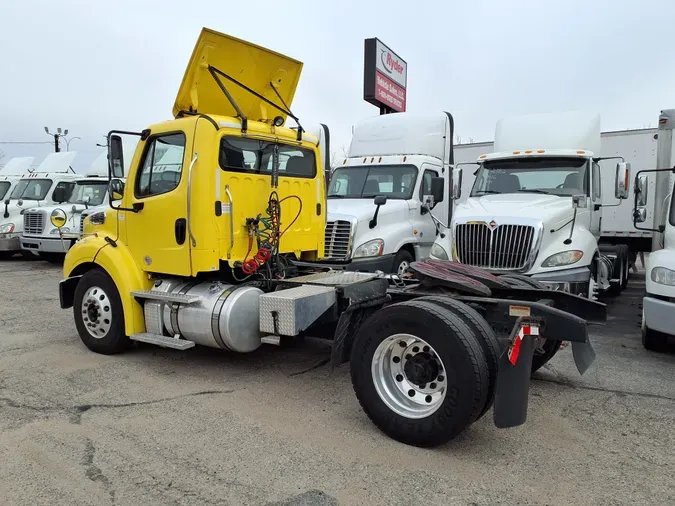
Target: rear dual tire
(407, 350)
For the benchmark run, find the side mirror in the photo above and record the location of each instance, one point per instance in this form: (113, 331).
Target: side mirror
(622, 181)
(86, 199)
(456, 184)
(60, 195)
(115, 156)
(579, 202)
(437, 189)
(116, 189)
(641, 190)
(380, 200)
(640, 215)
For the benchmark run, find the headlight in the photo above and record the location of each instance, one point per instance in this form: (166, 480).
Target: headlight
(438, 251)
(58, 218)
(7, 228)
(55, 231)
(370, 249)
(97, 218)
(563, 258)
(663, 276)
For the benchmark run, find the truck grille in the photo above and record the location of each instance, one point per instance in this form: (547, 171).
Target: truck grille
(505, 247)
(82, 217)
(337, 240)
(34, 223)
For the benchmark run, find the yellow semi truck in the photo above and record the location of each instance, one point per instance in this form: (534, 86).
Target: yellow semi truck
(207, 243)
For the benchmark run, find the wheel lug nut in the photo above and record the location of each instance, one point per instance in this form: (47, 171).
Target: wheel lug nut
(440, 378)
(408, 356)
(432, 386)
(399, 377)
(426, 349)
(411, 393)
(396, 360)
(428, 398)
(416, 349)
(402, 344)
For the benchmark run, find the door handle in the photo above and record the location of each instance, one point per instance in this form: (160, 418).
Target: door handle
(180, 229)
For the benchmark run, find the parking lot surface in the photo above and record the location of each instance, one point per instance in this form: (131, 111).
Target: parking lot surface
(157, 426)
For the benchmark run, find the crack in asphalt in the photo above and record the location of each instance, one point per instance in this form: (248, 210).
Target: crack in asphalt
(79, 410)
(577, 386)
(93, 472)
(309, 369)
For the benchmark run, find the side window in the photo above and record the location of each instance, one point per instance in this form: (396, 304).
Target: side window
(162, 165)
(425, 187)
(597, 182)
(64, 190)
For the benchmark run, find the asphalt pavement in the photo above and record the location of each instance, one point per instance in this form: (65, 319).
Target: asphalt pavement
(156, 426)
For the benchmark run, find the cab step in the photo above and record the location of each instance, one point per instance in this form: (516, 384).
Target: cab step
(163, 341)
(166, 297)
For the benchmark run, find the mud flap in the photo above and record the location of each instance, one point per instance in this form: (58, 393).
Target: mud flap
(584, 356)
(513, 376)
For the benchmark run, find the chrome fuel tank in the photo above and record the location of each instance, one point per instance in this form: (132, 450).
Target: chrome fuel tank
(226, 316)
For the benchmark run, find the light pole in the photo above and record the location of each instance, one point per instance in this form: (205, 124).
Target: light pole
(56, 136)
(68, 141)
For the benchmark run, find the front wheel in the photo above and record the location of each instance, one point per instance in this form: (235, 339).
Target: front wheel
(98, 312)
(419, 373)
(402, 262)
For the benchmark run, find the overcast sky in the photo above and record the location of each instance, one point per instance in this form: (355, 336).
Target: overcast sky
(91, 67)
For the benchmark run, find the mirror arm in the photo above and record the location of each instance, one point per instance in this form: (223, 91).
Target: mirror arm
(373, 221)
(574, 219)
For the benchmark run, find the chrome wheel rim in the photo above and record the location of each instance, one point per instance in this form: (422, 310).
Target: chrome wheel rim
(96, 312)
(403, 267)
(409, 376)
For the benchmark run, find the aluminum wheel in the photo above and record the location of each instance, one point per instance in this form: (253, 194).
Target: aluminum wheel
(409, 376)
(403, 267)
(96, 313)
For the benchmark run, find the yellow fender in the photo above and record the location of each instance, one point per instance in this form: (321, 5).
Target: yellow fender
(94, 251)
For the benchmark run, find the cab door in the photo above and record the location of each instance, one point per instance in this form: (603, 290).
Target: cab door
(424, 228)
(156, 232)
(596, 201)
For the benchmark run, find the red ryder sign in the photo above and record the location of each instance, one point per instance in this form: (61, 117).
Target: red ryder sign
(385, 76)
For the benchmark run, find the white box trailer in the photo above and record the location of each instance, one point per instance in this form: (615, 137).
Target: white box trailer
(638, 147)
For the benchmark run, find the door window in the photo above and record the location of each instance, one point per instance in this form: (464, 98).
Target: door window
(162, 165)
(425, 187)
(597, 183)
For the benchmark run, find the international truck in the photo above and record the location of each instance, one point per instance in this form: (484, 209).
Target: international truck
(50, 243)
(377, 217)
(52, 182)
(538, 204)
(656, 200)
(213, 255)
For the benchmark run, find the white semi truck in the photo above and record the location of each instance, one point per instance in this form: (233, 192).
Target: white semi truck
(658, 307)
(50, 183)
(377, 216)
(41, 237)
(537, 204)
(10, 174)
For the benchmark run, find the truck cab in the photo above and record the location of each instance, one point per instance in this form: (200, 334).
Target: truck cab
(10, 174)
(379, 197)
(52, 182)
(535, 207)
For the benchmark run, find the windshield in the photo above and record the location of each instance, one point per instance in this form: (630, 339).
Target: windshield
(554, 176)
(4, 186)
(31, 189)
(94, 190)
(249, 155)
(355, 182)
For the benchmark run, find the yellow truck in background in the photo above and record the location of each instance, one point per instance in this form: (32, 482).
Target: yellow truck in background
(200, 245)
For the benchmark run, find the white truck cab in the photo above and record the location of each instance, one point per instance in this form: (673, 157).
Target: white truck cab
(41, 237)
(535, 207)
(379, 197)
(658, 305)
(10, 174)
(50, 183)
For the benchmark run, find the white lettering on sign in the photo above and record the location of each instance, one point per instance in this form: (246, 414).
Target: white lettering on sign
(390, 93)
(391, 65)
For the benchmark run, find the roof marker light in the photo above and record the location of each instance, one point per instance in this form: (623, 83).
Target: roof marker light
(528, 151)
(540, 151)
(379, 160)
(516, 152)
(482, 156)
(405, 158)
(581, 152)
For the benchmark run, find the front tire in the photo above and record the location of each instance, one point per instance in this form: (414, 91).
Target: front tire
(653, 340)
(402, 262)
(98, 313)
(419, 373)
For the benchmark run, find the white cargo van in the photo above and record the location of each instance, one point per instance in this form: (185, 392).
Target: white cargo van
(377, 216)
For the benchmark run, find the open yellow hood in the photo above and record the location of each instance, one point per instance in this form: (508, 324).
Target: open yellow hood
(253, 66)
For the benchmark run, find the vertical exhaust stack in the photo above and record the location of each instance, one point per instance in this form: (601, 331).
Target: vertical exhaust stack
(664, 160)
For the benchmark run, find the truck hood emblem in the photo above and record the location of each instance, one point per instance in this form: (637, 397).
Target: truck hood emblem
(493, 225)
